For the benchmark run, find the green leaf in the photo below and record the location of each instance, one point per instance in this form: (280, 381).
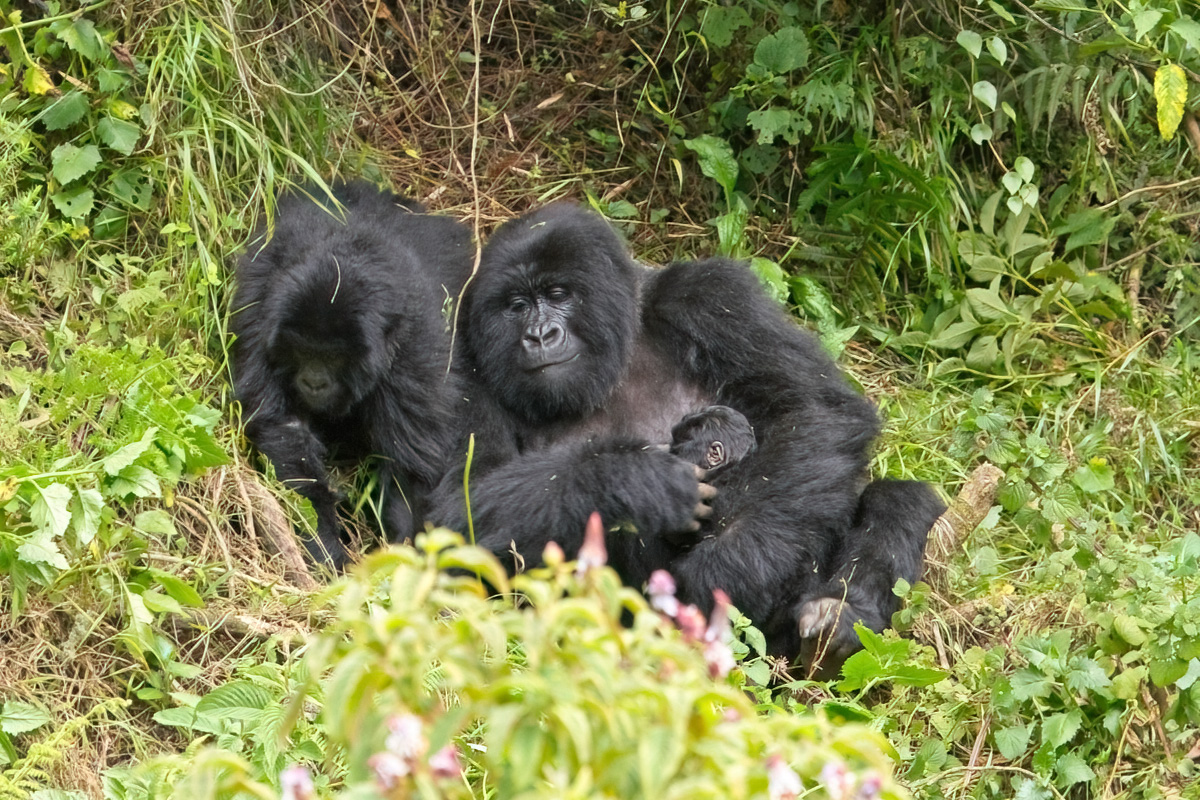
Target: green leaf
(37, 81)
(1011, 182)
(981, 132)
(1024, 168)
(1187, 29)
(1094, 476)
(1128, 684)
(1145, 20)
(238, 700)
(50, 511)
(1086, 227)
(987, 304)
(66, 111)
(74, 203)
(182, 591)
(118, 134)
(135, 481)
(985, 93)
(125, 456)
(81, 36)
(772, 276)
(782, 51)
(1170, 93)
(775, 121)
(1072, 769)
(970, 41)
(954, 336)
(1013, 741)
(1130, 629)
(155, 521)
(998, 49)
(87, 515)
(716, 160)
(40, 548)
(659, 751)
(71, 163)
(18, 718)
(1165, 672)
(1058, 729)
(721, 22)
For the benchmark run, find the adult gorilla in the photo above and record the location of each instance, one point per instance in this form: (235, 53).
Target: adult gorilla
(582, 362)
(342, 347)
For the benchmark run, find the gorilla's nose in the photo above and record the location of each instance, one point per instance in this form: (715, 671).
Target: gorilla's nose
(546, 337)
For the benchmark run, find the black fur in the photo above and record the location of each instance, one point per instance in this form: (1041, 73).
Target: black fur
(713, 438)
(629, 353)
(342, 346)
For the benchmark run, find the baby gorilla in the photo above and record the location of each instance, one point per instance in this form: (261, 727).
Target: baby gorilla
(713, 438)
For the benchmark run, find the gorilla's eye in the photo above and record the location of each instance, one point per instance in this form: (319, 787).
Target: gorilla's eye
(557, 294)
(517, 304)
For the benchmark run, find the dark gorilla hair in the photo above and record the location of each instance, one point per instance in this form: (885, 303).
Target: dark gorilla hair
(714, 438)
(342, 346)
(606, 293)
(580, 364)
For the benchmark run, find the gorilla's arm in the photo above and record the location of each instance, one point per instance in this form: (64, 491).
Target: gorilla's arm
(547, 495)
(780, 513)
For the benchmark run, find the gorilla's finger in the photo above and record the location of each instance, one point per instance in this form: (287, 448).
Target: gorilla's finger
(707, 491)
(702, 511)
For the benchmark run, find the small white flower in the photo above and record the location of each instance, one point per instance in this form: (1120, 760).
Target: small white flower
(296, 783)
(389, 770)
(444, 763)
(782, 781)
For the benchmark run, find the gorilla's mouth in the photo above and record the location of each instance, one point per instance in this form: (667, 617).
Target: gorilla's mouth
(548, 364)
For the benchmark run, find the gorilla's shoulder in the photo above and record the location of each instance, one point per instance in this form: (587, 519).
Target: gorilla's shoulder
(709, 291)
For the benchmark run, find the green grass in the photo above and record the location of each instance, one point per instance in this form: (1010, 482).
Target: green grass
(143, 605)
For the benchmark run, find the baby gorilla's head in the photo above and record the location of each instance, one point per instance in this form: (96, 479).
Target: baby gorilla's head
(713, 438)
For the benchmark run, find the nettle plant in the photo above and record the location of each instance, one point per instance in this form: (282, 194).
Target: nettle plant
(78, 84)
(559, 683)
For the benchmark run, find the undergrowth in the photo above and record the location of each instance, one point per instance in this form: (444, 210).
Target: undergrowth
(986, 211)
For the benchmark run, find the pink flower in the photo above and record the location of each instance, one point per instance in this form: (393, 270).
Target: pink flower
(870, 787)
(296, 783)
(661, 588)
(444, 763)
(719, 629)
(837, 779)
(592, 553)
(782, 781)
(389, 770)
(719, 658)
(691, 622)
(406, 738)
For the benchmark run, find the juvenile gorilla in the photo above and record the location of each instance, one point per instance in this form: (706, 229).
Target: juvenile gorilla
(581, 363)
(713, 438)
(342, 347)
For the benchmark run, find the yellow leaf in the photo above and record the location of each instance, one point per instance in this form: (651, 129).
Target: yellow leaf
(37, 80)
(1170, 92)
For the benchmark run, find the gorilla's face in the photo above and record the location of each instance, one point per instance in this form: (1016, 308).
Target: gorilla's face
(552, 313)
(322, 347)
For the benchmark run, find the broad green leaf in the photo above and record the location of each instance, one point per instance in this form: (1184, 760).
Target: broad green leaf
(155, 521)
(71, 162)
(118, 134)
(970, 41)
(37, 81)
(1011, 182)
(782, 51)
(987, 304)
(17, 718)
(135, 481)
(985, 93)
(1094, 476)
(82, 37)
(1128, 684)
(1130, 629)
(239, 700)
(1144, 21)
(720, 23)
(1165, 672)
(50, 511)
(1072, 769)
(125, 456)
(981, 132)
(983, 353)
(1012, 741)
(998, 49)
(772, 276)
(1170, 93)
(1024, 167)
(775, 121)
(40, 548)
(74, 203)
(87, 513)
(65, 111)
(716, 159)
(954, 336)
(182, 591)
(1058, 729)
(1187, 29)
